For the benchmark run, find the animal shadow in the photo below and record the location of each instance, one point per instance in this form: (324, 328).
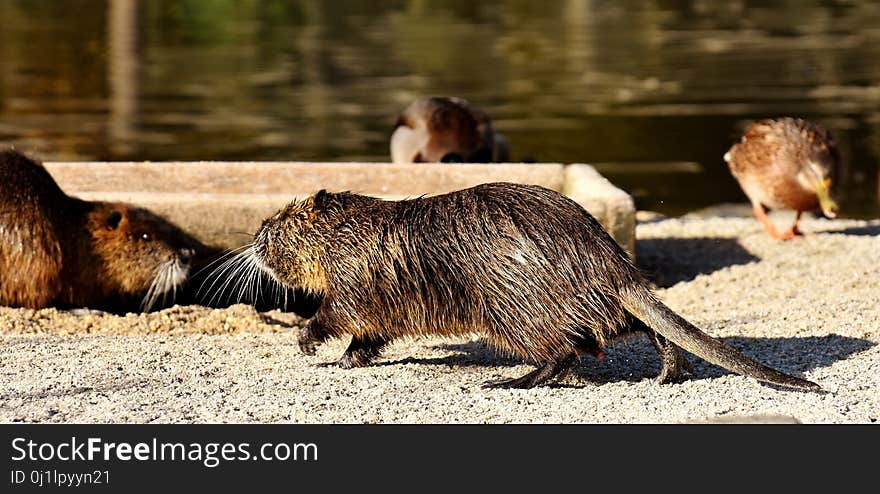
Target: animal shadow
(668, 261)
(790, 355)
(62, 392)
(863, 231)
(472, 353)
(635, 359)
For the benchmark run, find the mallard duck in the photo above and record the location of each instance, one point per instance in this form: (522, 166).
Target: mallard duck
(446, 130)
(786, 163)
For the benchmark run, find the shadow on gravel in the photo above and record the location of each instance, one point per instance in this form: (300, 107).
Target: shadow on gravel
(790, 355)
(668, 261)
(61, 392)
(467, 354)
(863, 231)
(635, 359)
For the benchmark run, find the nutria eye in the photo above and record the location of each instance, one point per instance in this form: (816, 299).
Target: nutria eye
(146, 237)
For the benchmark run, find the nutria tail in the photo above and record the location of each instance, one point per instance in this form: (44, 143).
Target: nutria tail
(646, 307)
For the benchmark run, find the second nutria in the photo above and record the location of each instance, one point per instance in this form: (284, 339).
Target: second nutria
(523, 265)
(57, 250)
(446, 129)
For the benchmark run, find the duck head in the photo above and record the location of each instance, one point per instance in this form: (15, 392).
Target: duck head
(819, 174)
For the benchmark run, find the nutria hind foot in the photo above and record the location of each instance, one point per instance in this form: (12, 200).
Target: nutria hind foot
(360, 353)
(674, 366)
(537, 377)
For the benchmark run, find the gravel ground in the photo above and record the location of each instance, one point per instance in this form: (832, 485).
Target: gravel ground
(807, 307)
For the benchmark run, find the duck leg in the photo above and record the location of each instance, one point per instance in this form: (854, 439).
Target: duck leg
(794, 231)
(769, 227)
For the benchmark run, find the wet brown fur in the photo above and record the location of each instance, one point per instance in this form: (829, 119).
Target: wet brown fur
(522, 265)
(57, 250)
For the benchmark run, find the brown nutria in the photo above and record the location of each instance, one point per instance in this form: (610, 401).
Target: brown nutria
(523, 265)
(787, 163)
(446, 129)
(57, 250)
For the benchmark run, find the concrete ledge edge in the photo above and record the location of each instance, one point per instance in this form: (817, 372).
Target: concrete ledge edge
(212, 200)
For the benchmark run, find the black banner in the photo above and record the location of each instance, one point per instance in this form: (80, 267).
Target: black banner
(383, 458)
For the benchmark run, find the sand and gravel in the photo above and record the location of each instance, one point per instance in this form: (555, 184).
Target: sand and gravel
(808, 307)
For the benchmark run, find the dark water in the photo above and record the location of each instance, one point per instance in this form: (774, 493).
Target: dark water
(652, 91)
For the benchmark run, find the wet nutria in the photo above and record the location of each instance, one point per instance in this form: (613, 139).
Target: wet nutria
(56, 250)
(524, 266)
(446, 129)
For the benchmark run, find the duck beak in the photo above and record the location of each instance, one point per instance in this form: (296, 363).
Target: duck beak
(823, 191)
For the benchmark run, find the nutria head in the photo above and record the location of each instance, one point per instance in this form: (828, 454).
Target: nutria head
(292, 245)
(139, 255)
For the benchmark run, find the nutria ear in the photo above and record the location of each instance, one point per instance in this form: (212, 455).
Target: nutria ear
(322, 200)
(113, 219)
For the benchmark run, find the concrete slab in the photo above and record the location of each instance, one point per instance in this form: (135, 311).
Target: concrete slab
(294, 178)
(221, 203)
(613, 207)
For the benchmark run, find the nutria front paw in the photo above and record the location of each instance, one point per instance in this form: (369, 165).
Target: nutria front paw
(345, 362)
(307, 342)
(307, 347)
(350, 361)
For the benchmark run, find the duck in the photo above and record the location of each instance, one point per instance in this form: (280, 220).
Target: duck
(786, 163)
(446, 130)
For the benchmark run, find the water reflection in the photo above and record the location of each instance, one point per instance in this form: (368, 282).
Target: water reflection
(628, 85)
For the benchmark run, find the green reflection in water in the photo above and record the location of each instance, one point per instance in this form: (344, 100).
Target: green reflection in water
(638, 87)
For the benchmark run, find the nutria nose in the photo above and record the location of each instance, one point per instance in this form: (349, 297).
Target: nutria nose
(185, 254)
